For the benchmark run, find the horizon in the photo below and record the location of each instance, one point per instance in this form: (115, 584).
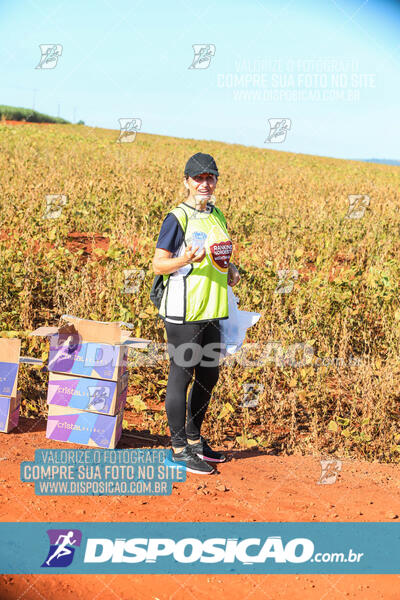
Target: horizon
(370, 159)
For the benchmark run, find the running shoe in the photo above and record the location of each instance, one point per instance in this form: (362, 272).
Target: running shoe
(203, 451)
(188, 460)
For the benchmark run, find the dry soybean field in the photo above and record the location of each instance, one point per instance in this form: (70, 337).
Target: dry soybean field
(326, 378)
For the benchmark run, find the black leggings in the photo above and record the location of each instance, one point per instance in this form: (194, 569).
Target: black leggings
(183, 361)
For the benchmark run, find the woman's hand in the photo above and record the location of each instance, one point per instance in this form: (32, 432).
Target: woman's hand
(233, 275)
(190, 254)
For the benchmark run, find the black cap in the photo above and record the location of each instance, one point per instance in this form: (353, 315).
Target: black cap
(200, 163)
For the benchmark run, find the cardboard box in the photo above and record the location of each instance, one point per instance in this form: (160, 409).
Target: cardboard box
(10, 349)
(88, 359)
(94, 349)
(66, 424)
(9, 412)
(94, 395)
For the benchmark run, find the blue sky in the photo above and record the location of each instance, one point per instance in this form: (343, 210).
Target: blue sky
(330, 66)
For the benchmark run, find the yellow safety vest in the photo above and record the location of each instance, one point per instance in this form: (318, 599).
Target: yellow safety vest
(198, 291)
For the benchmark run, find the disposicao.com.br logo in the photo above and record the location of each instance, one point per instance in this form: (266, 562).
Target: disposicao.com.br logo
(232, 553)
(247, 551)
(62, 547)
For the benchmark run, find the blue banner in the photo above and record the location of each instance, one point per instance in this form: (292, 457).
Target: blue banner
(175, 548)
(93, 472)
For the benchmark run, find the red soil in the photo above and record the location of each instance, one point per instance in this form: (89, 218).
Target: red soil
(251, 486)
(87, 242)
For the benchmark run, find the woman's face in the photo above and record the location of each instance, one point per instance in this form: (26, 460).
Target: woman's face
(202, 185)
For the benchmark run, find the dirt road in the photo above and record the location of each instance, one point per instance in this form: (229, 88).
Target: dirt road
(251, 486)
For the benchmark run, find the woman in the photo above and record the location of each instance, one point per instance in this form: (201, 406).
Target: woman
(195, 298)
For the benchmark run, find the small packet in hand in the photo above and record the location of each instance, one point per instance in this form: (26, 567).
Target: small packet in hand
(198, 238)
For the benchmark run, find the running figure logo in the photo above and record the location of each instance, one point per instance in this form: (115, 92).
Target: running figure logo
(203, 54)
(357, 205)
(278, 129)
(128, 129)
(99, 396)
(329, 471)
(62, 547)
(50, 55)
